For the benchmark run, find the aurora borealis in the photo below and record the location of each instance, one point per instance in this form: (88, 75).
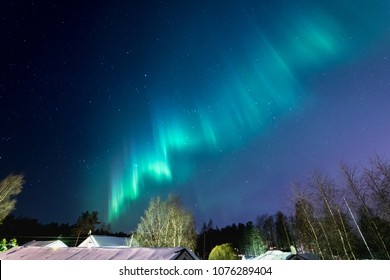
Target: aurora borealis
(224, 103)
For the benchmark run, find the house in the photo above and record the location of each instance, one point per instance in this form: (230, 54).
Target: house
(51, 244)
(272, 255)
(279, 255)
(28, 252)
(304, 256)
(108, 241)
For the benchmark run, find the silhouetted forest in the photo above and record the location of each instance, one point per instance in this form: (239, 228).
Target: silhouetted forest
(335, 219)
(27, 229)
(348, 218)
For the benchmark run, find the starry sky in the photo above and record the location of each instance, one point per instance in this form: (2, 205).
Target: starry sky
(105, 104)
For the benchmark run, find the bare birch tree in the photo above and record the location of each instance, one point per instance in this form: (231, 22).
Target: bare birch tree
(9, 188)
(306, 224)
(166, 224)
(356, 185)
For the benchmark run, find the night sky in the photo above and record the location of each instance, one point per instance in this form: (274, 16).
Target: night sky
(105, 104)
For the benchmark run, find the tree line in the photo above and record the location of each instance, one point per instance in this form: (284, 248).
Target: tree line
(19, 230)
(25, 229)
(347, 218)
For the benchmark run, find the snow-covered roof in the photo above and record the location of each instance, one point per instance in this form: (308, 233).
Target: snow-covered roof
(304, 256)
(77, 253)
(273, 255)
(279, 255)
(108, 241)
(51, 243)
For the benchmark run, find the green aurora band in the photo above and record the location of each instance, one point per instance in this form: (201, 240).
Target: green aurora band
(253, 87)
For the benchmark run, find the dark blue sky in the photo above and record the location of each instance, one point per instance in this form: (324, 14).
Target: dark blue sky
(105, 104)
